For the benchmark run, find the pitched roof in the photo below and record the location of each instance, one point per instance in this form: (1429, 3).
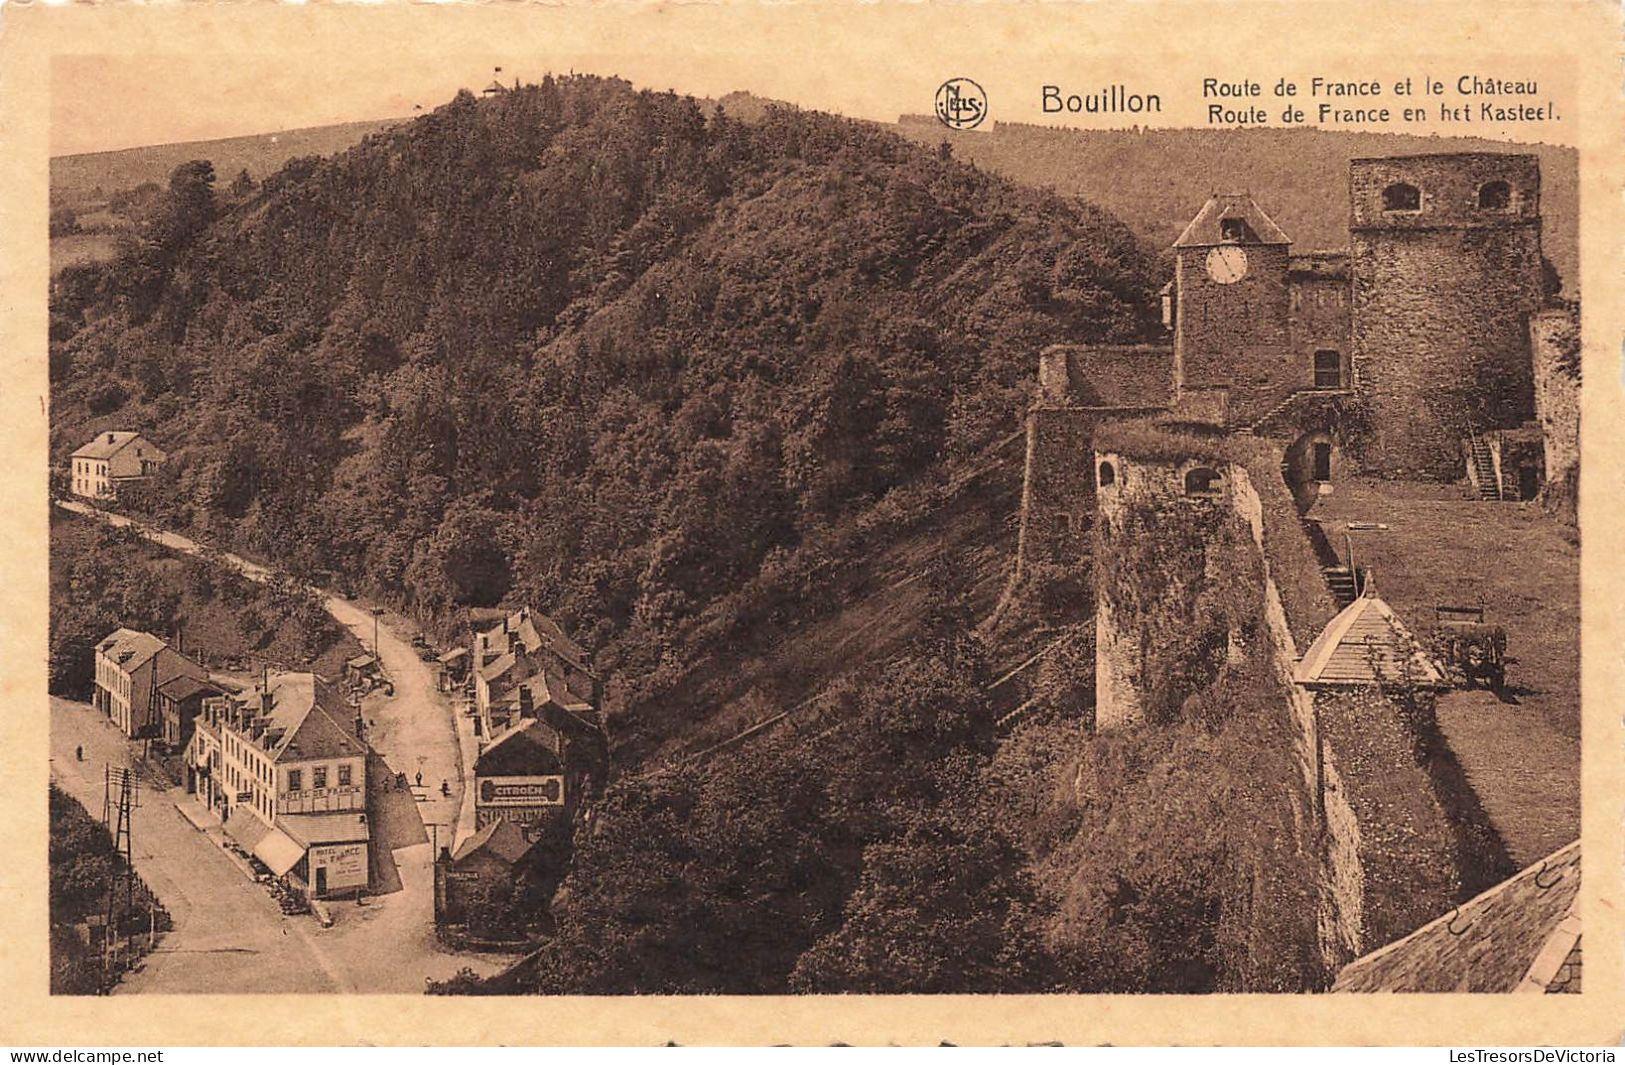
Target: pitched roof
(1257, 227)
(105, 445)
(535, 631)
(183, 686)
(501, 838)
(1521, 935)
(549, 687)
(1366, 645)
(517, 752)
(306, 719)
(130, 648)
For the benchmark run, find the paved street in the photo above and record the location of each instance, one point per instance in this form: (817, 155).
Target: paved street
(387, 944)
(229, 934)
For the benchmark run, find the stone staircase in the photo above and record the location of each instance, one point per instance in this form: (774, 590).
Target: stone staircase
(1286, 404)
(1484, 478)
(1341, 583)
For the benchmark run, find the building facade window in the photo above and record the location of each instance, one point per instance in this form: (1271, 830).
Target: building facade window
(318, 777)
(1494, 196)
(344, 776)
(296, 780)
(1328, 369)
(1108, 474)
(1401, 197)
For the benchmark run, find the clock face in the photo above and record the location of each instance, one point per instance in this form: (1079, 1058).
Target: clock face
(1227, 264)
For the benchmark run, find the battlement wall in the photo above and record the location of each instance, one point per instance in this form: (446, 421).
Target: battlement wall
(1203, 600)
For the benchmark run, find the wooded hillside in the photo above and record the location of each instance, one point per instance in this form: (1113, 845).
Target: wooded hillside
(580, 346)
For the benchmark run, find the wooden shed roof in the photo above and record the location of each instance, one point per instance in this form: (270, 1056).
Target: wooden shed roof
(1365, 646)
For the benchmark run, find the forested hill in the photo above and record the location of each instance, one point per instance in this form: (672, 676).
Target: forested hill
(577, 345)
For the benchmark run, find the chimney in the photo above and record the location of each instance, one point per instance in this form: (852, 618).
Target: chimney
(109, 438)
(527, 704)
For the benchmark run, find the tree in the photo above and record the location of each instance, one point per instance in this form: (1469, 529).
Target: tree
(940, 908)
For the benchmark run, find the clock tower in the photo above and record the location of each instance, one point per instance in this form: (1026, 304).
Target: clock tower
(1231, 306)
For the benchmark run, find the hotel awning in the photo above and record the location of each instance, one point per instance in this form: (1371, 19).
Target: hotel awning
(269, 845)
(278, 852)
(246, 828)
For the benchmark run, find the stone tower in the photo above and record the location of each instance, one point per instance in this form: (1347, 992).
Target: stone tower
(1445, 256)
(1157, 523)
(1231, 326)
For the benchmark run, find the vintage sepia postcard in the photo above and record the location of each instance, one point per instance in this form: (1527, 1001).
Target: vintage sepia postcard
(635, 523)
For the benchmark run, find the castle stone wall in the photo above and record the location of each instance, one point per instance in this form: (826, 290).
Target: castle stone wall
(1320, 320)
(1554, 337)
(1058, 488)
(1360, 803)
(1157, 551)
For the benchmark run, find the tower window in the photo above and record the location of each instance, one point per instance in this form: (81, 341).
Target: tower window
(1108, 474)
(1202, 481)
(1328, 369)
(1494, 196)
(1232, 230)
(1401, 197)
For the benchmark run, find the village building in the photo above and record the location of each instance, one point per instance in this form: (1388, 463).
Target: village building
(525, 645)
(362, 671)
(110, 460)
(538, 773)
(130, 670)
(469, 883)
(453, 669)
(284, 768)
(180, 701)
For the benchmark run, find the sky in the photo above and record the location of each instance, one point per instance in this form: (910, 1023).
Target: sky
(211, 79)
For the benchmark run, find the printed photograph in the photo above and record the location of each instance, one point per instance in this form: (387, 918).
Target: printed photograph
(528, 531)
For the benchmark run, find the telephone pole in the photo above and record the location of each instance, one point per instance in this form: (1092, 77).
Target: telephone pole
(120, 795)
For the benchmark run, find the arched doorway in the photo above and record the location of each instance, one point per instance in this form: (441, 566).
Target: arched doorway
(1311, 466)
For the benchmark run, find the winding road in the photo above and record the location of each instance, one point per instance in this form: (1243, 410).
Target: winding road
(221, 918)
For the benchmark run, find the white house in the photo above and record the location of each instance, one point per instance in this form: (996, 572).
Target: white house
(111, 459)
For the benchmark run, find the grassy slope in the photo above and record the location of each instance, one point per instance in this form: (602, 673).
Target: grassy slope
(76, 178)
(81, 248)
(84, 182)
(1521, 756)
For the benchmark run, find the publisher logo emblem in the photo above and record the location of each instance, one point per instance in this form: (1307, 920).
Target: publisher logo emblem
(961, 104)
